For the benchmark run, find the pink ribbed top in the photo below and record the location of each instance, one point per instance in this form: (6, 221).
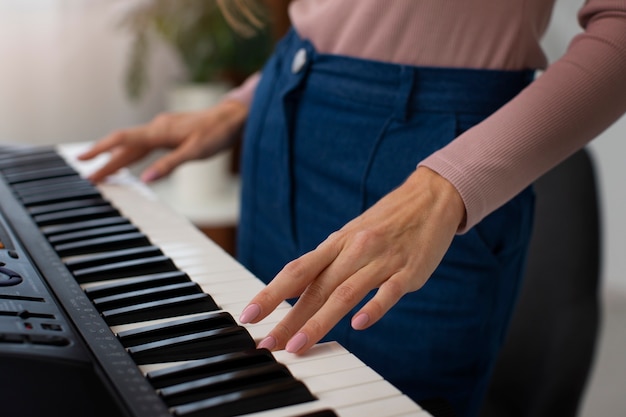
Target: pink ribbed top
(576, 97)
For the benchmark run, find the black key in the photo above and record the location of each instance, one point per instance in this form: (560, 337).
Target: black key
(60, 196)
(146, 295)
(125, 269)
(137, 283)
(51, 185)
(208, 367)
(61, 171)
(193, 346)
(118, 229)
(82, 225)
(102, 244)
(320, 413)
(277, 394)
(31, 166)
(76, 215)
(67, 205)
(173, 307)
(175, 328)
(226, 383)
(111, 257)
(21, 157)
(48, 184)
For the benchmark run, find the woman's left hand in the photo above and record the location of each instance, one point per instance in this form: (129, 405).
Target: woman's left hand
(394, 246)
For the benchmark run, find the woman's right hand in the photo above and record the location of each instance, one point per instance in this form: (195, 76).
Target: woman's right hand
(191, 135)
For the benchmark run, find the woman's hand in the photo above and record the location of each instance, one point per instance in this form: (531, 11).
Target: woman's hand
(394, 246)
(192, 135)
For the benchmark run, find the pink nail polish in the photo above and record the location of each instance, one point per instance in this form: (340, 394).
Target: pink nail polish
(296, 343)
(149, 176)
(249, 313)
(360, 321)
(268, 343)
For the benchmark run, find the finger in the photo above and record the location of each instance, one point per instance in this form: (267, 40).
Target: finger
(388, 295)
(360, 257)
(120, 158)
(348, 285)
(189, 150)
(339, 303)
(290, 282)
(104, 145)
(126, 146)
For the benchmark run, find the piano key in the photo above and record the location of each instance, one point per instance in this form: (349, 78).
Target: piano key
(203, 368)
(32, 166)
(193, 346)
(101, 244)
(20, 158)
(76, 215)
(83, 225)
(67, 205)
(232, 292)
(269, 396)
(321, 413)
(164, 330)
(118, 229)
(124, 269)
(171, 307)
(33, 189)
(362, 394)
(105, 258)
(321, 363)
(396, 406)
(36, 174)
(146, 295)
(334, 389)
(43, 185)
(120, 286)
(59, 196)
(224, 383)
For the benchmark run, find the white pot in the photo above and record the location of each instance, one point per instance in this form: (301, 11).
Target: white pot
(205, 191)
(200, 182)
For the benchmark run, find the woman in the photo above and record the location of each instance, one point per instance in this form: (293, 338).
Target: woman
(334, 211)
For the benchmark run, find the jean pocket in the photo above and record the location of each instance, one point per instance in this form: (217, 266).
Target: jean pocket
(507, 230)
(400, 146)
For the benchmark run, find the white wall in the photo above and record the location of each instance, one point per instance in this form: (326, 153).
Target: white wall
(61, 68)
(61, 71)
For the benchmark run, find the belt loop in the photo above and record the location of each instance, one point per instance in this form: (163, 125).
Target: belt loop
(406, 78)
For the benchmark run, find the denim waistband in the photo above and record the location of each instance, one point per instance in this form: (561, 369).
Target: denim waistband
(390, 85)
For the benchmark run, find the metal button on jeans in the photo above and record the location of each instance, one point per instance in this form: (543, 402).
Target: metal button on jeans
(299, 59)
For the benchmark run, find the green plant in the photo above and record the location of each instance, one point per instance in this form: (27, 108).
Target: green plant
(209, 46)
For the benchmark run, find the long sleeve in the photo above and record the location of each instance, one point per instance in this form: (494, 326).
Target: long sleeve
(245, 92)
(571, 103)
(577, 97)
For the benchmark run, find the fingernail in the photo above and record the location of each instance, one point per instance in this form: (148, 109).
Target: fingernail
(268, 343)
(360, 321)
(149, 176)
(249, 313)
(296, 343)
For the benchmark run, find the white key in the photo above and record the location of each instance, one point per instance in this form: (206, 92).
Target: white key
(337, 378)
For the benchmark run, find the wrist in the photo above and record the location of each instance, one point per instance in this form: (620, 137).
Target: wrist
(444, 194)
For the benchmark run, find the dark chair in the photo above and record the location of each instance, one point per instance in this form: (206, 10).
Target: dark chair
(544, 366)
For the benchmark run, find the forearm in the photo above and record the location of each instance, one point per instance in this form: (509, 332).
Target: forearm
(577, 97)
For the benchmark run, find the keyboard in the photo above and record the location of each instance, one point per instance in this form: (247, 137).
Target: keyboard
(113, 304)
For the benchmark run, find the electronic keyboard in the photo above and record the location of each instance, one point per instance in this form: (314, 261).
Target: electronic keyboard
(112, 304)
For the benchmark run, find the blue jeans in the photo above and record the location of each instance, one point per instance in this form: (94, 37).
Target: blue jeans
(326, 138)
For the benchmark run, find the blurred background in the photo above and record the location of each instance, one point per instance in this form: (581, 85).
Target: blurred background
(67, 75)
